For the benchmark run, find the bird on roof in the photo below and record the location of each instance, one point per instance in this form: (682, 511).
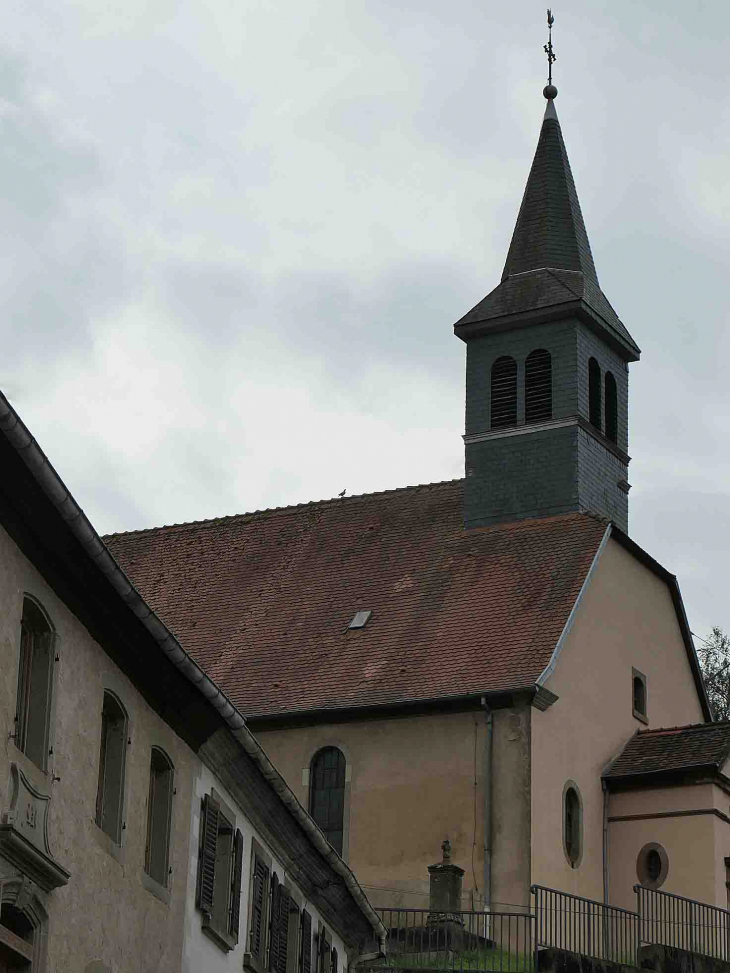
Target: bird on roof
(343, 493)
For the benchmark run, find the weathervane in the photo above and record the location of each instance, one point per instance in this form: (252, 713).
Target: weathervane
(550, 91)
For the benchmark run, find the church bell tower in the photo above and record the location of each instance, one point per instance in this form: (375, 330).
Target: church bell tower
(546, 365)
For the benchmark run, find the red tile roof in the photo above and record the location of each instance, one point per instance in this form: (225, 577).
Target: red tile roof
(672, 749)
(263, 601)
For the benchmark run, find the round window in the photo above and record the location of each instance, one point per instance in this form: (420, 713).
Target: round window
(652, 865)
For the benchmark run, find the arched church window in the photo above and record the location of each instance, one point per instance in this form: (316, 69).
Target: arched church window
(327, 794)
(35, 678)
(572, 824)
(611, 399)
(504, 392)
(594, 393)
(538, 386)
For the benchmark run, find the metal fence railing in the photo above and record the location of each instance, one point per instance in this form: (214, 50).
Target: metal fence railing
(573, 924)
(673, 920)
(458, 942)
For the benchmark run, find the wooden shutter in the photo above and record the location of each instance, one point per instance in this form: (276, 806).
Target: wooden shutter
(274, 924)
(305, 959)
(258, 904)
(236, 885)
(206, 862)
(333, 965)
(284, 907)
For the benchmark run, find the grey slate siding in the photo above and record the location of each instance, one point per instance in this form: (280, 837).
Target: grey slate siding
(535, 475)
(551, 471)
(591, 346)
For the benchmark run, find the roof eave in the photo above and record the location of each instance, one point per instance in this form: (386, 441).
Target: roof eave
(469, 329)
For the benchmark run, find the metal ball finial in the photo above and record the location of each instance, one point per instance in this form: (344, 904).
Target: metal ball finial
(550, 91)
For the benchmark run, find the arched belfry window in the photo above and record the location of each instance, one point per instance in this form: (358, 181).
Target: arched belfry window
(611, 399)
(538, 386)
(504, 392)
(327, 794)
(594, 393)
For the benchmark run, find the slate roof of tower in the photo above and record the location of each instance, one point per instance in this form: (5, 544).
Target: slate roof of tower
(263, 601)
(700, 745)
(549, 261)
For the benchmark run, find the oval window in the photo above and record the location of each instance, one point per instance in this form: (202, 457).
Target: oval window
(652, 865)
(572, 824)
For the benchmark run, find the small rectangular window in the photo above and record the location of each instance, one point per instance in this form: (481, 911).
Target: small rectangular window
(35, 676)
(159, 813)
(638, 692)
(112, 760)
(220, 868)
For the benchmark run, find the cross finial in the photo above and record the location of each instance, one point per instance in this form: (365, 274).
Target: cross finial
(550, 91)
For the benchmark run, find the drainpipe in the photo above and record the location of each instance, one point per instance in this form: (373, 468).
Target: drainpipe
(605, 841)
(487, 806)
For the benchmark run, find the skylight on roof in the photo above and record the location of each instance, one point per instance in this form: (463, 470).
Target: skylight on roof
(360, 619)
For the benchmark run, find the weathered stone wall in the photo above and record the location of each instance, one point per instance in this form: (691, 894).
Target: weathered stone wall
(104, 915)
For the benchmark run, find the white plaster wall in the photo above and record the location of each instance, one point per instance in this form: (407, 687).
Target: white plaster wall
(200, 952)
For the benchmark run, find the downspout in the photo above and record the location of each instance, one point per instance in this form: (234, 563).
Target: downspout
(605, 841)
(489, 723)
(17, 433)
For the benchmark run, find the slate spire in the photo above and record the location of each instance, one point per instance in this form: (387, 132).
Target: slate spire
(550, 232)
(549, 269)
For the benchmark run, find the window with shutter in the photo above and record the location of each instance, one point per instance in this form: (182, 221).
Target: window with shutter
(159, 811)
(284, 916)
(112, 762)
(503, 393)
(220, 867)
(274, 923)
(35, 678)
(538, 386)
(333, 963)
(305, 956)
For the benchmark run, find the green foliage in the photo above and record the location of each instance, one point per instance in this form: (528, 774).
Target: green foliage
(714, 656)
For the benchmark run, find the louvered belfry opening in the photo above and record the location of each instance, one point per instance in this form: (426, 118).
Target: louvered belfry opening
(611, 399)
(594, 393)
(538, 386)
(504, 392)
(327, 794)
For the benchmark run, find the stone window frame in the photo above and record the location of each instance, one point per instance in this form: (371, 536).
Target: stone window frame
(640, 715)
(18, 891)
(307, 786)
(113, 682)
(116, 786)
(160, 889)
(575, 859)
(50, 707)
(642, 865)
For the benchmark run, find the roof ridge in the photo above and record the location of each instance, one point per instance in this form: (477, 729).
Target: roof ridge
(283, 509)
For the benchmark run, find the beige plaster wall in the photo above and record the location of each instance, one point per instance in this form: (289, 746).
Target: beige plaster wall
(412, 782)
(626, 619)
(104, 914)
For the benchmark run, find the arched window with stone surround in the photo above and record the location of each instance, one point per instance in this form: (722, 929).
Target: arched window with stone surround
(327, 794)
(24, 949)
(538, 386)
(503, 392)
(35, 680)
(611, 403)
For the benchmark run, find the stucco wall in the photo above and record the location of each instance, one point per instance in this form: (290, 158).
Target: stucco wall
(625, 619)
(200, 952)
(412, 782)
(104, 914)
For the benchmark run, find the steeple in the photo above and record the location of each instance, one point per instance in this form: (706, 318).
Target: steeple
(549, 263)
(547, 363)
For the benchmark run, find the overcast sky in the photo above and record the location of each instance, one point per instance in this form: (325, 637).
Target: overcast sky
(236, 236)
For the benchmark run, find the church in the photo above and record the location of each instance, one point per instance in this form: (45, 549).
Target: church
(491, 660)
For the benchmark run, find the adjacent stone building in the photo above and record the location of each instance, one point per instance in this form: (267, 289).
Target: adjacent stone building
(142, 827)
